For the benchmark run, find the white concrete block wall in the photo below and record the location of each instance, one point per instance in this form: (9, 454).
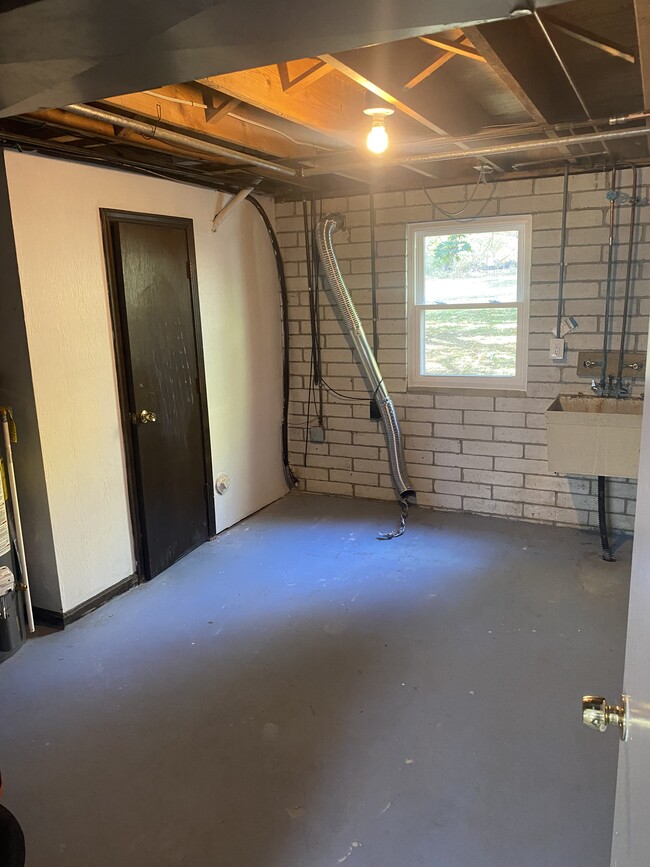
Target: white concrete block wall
(477, 451)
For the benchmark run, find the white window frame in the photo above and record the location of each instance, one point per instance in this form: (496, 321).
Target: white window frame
(416, 234)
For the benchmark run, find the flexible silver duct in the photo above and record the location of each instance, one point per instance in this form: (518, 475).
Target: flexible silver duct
(326, 228)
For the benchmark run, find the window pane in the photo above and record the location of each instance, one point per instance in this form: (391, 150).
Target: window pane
(470, 268)
(470, 342)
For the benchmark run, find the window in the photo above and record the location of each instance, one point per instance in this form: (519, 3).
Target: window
(468, 303)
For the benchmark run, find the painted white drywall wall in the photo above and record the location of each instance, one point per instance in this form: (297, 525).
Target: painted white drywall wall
(55, 213)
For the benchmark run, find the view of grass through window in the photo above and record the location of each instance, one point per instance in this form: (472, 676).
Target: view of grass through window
(462, 270)
(470, 342)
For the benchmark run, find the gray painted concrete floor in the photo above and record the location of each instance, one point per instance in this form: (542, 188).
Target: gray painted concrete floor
(297, 694)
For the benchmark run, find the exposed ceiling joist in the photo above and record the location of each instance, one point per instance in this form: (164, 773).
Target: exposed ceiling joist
(519, 75)
(589, 38)
(216, 108)
(460, 48)
(540, 86)
(642, 15)
(437, 63)
(333, 107)
(64, 120)
(382, 69)
(554, 67)
(56, 52)
(184, 140)
(308, 72)
(330, 106)
(368, 70)
(185, 105)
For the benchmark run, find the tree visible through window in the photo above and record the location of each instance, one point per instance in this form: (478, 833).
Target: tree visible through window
(468, 303)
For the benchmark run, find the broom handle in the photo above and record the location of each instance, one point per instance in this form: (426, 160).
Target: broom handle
(19, 527)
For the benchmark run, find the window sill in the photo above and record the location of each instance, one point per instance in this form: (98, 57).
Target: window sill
(469, 391)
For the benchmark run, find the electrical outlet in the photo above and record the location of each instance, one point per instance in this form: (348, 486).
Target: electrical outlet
(557, 349)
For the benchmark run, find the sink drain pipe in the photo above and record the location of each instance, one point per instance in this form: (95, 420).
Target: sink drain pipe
(602, 521)
(405, 494)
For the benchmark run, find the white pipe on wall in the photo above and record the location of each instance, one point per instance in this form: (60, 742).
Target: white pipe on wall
(5, 413)
(229, 207)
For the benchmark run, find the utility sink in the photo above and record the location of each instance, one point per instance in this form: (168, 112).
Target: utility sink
(594, 436)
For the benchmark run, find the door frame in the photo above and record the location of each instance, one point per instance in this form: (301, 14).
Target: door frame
(109, 219)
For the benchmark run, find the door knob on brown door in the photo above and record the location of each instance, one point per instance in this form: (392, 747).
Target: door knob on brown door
(597, 714)
(147, 416)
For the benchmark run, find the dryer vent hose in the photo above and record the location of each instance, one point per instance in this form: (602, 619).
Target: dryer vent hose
(365, 356)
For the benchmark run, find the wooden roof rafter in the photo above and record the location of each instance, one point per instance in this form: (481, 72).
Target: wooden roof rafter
(455, 47)
(184, 105)
(436, 64)
(316, 70)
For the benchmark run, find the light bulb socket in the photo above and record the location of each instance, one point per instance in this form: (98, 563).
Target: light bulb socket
(378, 112)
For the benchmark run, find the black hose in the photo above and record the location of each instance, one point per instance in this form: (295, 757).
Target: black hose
(602, 521)
(291, 480)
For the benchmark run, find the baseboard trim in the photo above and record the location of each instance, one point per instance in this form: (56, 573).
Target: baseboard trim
(59, 620)
(49, 618)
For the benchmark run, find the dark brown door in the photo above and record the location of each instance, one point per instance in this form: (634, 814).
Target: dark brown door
(163, 375)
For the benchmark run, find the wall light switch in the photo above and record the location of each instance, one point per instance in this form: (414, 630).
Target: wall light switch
(557, 349)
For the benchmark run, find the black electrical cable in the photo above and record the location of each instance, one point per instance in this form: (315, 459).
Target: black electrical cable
(351, 397)
(315, 259)
(602, 521)
(454, 215)
(309, 391)
(312, 278)
(291, 480)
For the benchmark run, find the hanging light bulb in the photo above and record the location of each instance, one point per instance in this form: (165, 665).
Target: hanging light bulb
(377, 140)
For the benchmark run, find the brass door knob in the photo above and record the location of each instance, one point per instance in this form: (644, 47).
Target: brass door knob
(147, 416)
(597, 714)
